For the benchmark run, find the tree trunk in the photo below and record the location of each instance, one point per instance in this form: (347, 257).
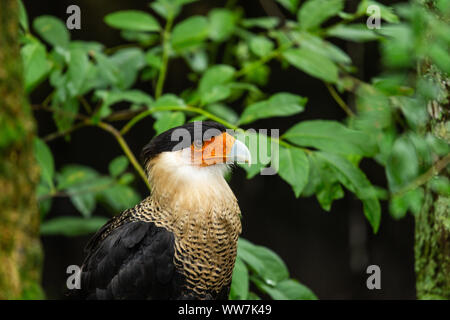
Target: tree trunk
(432, 232)
(432, 248)
(20, 248)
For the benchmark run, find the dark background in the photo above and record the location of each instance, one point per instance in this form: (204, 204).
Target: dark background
(327, 251)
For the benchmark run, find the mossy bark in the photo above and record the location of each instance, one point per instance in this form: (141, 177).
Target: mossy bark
(432, 232)
(432, 248)
(20, 248)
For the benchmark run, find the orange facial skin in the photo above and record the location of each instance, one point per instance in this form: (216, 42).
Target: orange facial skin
(213, 151)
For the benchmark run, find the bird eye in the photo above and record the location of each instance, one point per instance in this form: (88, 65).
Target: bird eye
(198, 144)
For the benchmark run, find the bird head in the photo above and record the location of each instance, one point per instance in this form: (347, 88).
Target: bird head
(196, 154)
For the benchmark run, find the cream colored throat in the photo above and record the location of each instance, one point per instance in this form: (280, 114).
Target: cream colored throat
(181, 187)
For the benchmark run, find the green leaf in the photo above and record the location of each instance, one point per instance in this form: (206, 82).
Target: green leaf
(291, 5)
(261, 46)
(253, 296)
(398, 49)
(331, 136)
(440, 185)
(393, 85)
(260, 147)
(213, 84)
(23, 17)
(258, 75)
(72, 226)
(216, 93)
(279, 105)
(262, 22)
(443, 6)
(316, 167)
(197, 60)
(118, 166)
(386, 12)
(153, 58)
(87, 46)
(126, 178)
(411, 200)
(293, 168)
(328, 193)
(35, 64)
(132, 20)
(323, 182)
(78, 67)
(218, 74)
(438, 145)
(69, 110)
(83, 184)
(75, 176)
(189, 32)
(169, 120)
(313, 12)
(119, 197)
(110, 73)
(43, 193)
(221, 24)
(169, 100)
(85, 203)
(169, 9)
(127, 62)
(439, 55)
(374, 110)
(240, 281)
(121, 69)
(321, 47)
(45, 160)
(352, 32)
(142, 37)
(288, 289)
(423, 150)
(224, 112)
(313, 64)
(263, 261)
(402, 165)
(356, 181)
(109, 98)
(52, 30)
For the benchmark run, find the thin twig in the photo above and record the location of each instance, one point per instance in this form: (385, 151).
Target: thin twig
(424, 178)
(126, 149)
(339, 100)
(147, 113)
(48, 98)
(124, 114)
(122, 46)
(58, 134)
(85, 104)
(87, 190)
(61, 112)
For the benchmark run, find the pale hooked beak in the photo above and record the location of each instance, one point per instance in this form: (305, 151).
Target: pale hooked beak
(222, 149)
(239, 153)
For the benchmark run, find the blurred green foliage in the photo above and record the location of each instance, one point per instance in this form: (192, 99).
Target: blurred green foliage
(390, 123)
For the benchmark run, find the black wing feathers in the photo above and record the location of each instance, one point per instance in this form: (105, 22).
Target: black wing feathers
(135, 261)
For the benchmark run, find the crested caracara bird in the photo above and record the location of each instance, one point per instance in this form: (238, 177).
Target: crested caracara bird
(180, 242)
